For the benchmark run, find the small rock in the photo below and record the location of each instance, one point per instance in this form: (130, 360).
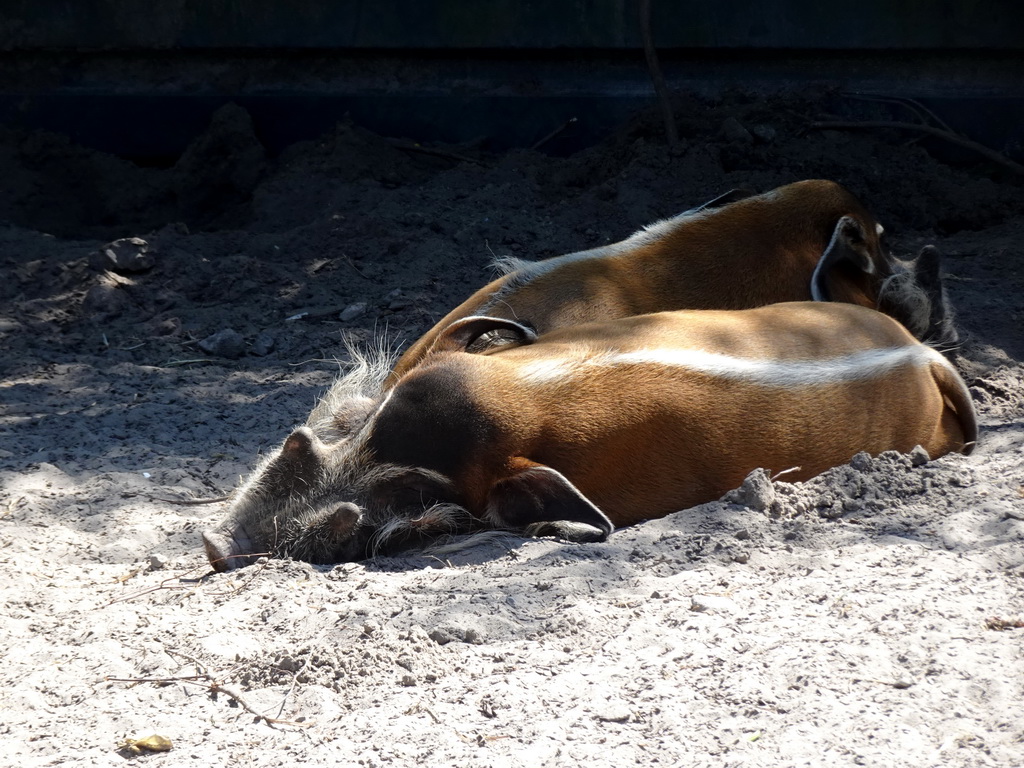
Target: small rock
(158, 561)
(733, 130)
(757, 491)
(408, 681)
(961, 480)
(169, 326)
(1002, 510)
(370, 627)
(614, 714)
(352, 311)
(262, 345)
(742, 534)
(605, 191)
(225, 343)
(741, 556)
(826, 499)
(441, 636)
(902, 683)
(106, 298)
(919, 456)
(830, 511)
(129, 254)
(764, 133)
(862, 462)
(711, 604)
(397, 300)
(448, 634)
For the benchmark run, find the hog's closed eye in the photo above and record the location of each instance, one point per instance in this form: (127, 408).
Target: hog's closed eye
(412, 496)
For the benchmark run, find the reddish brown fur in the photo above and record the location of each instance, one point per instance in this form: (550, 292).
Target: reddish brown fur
(639, 416)
(756, 251)
(640, 442)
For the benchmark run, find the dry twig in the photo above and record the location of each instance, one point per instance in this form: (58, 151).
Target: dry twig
(915, 106)
(409, 147)
(175, 363)
(165, 584)
(939, 133)
(784, 472)
(190, 502)
(352, 264)
(1001, 624)
(13, 504)
(548, 137)
(656, 75)
(204, 679)
(252, 576)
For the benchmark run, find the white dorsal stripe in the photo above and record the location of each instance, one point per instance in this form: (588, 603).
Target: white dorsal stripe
(868, 364)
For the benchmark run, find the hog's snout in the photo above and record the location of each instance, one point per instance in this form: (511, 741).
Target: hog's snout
(226, 553)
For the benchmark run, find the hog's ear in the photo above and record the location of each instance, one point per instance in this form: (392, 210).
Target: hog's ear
(538, 494)
(299, 449)
(463, 334)
(295, 468)
(927, 271)
(414, 487)
(850, 248)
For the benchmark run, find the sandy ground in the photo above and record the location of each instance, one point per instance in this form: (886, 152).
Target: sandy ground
(867, 617)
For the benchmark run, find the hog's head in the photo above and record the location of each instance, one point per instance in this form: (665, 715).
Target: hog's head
(323, 498)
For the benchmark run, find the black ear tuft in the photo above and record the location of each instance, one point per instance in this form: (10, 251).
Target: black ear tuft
(848, 247)
(927, 268)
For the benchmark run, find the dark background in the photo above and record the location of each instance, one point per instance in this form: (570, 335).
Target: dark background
(141, 79)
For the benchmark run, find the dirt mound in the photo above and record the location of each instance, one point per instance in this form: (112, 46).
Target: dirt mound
(863, 617)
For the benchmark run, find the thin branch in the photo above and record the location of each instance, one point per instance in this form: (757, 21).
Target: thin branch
(174, 679)
(656, 76)
(352, 264)
(784, 472)
(190, 502)
(205, 680)
(165, 584)
(409, 147)
(316, 314)
(913, 105)
(952, 138)
(548, 137)
(12, 505)
(184, 583)
(175, 363)
(252, 576)
(291, 688)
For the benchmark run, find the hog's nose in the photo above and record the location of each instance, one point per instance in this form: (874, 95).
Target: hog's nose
(225, 553)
